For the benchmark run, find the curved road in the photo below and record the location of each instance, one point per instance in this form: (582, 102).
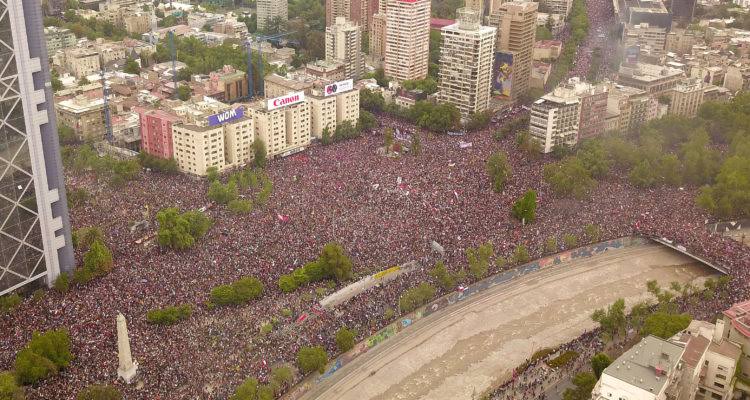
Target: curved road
(475, 344)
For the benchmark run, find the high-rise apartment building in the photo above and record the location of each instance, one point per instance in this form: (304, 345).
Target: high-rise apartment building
(682, 10)
(466, 58)
(407, 40)
(593, 107)
(358, 11)
(344, 45)
(516, 32)
(35, 236)
(283, 123)
(377, 37)
(554, 119)
(269, 10)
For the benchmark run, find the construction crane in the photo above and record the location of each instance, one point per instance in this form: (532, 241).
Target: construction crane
(249, 45)
(107, 116)
(174, 62)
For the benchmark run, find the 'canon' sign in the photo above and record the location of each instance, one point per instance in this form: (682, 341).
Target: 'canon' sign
(291, 98)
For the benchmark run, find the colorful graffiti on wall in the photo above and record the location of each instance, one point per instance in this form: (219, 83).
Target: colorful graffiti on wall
(445, 301)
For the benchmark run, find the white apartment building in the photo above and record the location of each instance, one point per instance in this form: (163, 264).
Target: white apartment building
(644, 372)
(58, 39)
(377, 37)
(466, 58)
(267, 10)
(283, 123)
(554, 119)
(407, 39)
(214, 135)
(686, 98)
(344, 45)
(559, 7)
(82, 62)
(645, 36)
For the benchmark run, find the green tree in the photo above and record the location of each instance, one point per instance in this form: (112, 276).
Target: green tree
(345, 339)
(335, 262)
(479, 259)
(611, 320)
(478, 121)
(98, 259)
(169, 315)
(30, 367)
(259, 153)
(132, 67)
(594, 158)
(326, 136)
(9, 303)
(416, 145)
(184, 92)
(521, 254)
(665, 325)
(222, 194)
(388, 139)
(371, 101)
(729, 196)
(240, 206)
(550, 245)
(499, 170)
(525, 208)
(446, 279)
(599, 362)
(644, 175)
(413, 298)
(569, 178)
(180, 231)
(99, 392)
(310, 359)
(366, 121)
(9, 389)
(282, 377)
(212, 173)
(584, 384)
(248, 390)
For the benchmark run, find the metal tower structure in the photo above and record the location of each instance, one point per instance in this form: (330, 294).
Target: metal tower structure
(107, 115)
(174, 62)
(250, 81)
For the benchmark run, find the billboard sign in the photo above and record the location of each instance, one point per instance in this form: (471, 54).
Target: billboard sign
(631, 54)
(226, 116)
(502, 75)
(339, 87)
(288, 100)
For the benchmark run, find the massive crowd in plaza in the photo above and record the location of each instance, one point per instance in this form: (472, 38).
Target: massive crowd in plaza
(383, 211)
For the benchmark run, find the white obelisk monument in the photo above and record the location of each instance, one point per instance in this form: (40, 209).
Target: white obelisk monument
(128, 367)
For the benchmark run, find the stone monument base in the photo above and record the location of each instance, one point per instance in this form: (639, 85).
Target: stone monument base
(128, 374)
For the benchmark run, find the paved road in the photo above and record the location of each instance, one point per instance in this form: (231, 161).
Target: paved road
(473, 345)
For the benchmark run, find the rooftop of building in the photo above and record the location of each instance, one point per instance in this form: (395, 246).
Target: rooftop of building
(80, 104)
(300, 82)
(648, 72)
(739, 316)
(647, 364)
(696, 347)
(544, 44)
(440, 23)
(726, 349)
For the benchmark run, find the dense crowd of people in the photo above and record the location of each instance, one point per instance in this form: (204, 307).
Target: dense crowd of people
(384, 211)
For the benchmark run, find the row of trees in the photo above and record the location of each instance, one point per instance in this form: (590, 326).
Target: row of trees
(440, 117)
(333, 263)
(115, 171)
(579, 28)
(672, 151)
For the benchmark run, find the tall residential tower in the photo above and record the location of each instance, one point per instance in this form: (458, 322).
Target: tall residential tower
(270, 10)
(34, 226)
(516, 32)
(466, 57)
(344, 45)
(407, 39)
